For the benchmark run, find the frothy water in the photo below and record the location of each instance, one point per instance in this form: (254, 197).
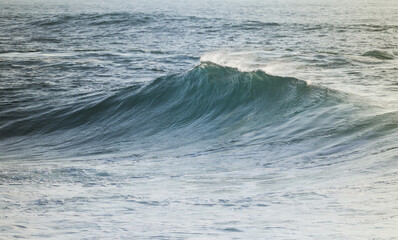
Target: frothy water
(210, 120)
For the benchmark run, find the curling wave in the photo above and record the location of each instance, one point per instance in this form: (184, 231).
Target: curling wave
(211, 102)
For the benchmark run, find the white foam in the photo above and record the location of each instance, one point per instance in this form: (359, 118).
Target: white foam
(234, 60)
(252, 61)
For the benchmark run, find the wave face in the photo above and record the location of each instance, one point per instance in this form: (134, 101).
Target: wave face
(208, 94)
(208, 103)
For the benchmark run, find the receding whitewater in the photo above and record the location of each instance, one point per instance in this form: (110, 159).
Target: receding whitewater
(199, 119)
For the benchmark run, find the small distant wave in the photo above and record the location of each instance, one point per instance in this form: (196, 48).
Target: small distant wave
(117, 18)
(375, 27)
(315, 27)
(95, 19)
(254, 25)
(160, 52)
(382, 55)
(46, 40)
(260, 24)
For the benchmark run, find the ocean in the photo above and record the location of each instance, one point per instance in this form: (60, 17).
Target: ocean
(225, 119)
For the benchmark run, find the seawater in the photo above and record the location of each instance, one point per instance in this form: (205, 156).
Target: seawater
(198, 119)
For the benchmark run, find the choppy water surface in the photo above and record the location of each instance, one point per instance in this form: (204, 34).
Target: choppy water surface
(199, 120)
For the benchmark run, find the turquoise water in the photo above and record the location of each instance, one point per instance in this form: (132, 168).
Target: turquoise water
(198, 120)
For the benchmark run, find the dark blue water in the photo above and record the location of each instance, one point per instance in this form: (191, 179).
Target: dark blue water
(198, 120)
